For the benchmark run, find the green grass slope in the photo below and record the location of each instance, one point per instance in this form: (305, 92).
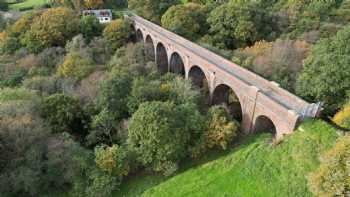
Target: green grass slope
(255, 168)
(26, 4)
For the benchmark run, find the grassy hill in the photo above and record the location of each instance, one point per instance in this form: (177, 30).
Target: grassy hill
(255, 168)
(26, 4)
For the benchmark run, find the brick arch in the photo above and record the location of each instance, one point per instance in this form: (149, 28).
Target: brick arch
(197, 75)
(221, 95)
(149, 48)
(139, 35)
(263, 123)
(162, 58)
(177, 64)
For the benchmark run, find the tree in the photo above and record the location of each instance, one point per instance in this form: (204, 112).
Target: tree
(238, 24)
(90, 27)
(63, 113)
(151, 9)
(342, 117)
(114, 94)
(159, 133)
(326, 72)
(332, 178)
(187, 20)
(76, 67)
(93, 4)
(117, 33)
(53, 28)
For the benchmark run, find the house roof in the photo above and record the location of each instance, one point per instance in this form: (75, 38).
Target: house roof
(99, 13)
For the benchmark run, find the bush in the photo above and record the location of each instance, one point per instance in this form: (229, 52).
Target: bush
(112, 160)
(45, 85)
(332, 178)
(51, 57)
(220, 130)
(76, 67)
(11, 75)
(160, 132)
(8, 44)
(117, 33)
(64, 114)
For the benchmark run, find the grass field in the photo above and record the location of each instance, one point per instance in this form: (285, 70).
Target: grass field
(255, 168)
(26, 4)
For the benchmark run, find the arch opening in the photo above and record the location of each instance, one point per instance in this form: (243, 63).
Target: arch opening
(149, 48)
(176, 64)
(224, 95)
(199, 80)
(162, 59)
(139, 36)
(133, 34)
(264, 124)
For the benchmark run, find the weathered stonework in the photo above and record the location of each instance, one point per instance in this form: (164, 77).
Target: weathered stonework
(260, 99)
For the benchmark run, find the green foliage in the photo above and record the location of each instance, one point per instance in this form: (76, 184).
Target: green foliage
(151, 9)
(104, 128)
(159, 133)
(42, 84)
(76, 67)
(53, 28)
(90, 27)
(11, 77)
(342, 117)
(114, 94)
(63, 113)
(326, 73)
(238, 24)
(8, 44)
(187, 20)
(13, 94)
(332, 178)
(117, 33)
(112, 160)
(254, 168)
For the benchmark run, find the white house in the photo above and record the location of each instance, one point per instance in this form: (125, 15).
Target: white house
(104, 16)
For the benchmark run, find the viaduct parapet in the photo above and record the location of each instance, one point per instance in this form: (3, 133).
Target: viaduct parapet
(263, 104)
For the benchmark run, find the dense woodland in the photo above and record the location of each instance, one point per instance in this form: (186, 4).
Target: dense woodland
(83, 107)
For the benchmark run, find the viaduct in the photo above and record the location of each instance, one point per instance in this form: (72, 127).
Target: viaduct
(262, 104)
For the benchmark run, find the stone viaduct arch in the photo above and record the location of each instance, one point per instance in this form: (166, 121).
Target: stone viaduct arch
(262, 104)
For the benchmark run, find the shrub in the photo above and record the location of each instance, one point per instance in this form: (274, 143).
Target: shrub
(11, 75)
(117, 33)
(63, 113)
(8, 44)
(220, 130)
(45, 85)
(332, 178)
(51, 57)
(112, 160)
